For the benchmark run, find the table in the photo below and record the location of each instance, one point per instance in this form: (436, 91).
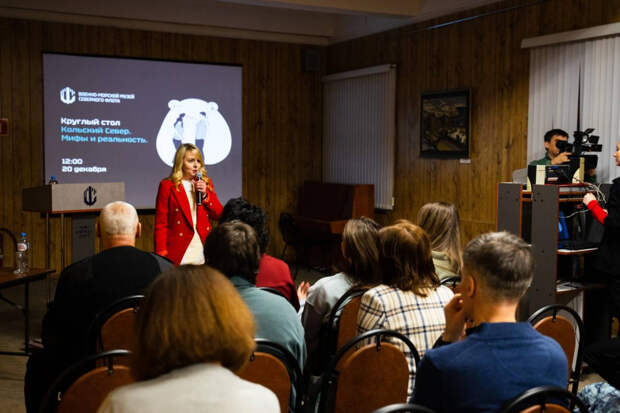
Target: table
(8, 279)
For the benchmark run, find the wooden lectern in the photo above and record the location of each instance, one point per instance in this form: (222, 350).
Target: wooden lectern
(69, 199)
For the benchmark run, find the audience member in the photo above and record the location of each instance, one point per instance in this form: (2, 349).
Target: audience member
(192, 333)
(272, 272)
(499, 358)
(360, 249)
(411, 299)
(84, 289)
(232, 248)
(440, 220)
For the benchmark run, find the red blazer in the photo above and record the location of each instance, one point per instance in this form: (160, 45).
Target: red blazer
(174, 228)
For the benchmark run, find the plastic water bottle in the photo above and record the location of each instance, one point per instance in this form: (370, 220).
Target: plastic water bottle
(21, 255)
(53, 180)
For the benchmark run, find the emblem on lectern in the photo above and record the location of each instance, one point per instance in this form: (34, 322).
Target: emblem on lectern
(90, 196)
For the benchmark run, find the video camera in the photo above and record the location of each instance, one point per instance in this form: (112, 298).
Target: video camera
(583, 142)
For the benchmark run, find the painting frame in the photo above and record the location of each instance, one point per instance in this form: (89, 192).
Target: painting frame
(445, 127)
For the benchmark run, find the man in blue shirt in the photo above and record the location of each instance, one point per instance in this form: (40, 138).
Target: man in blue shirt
(496, 358)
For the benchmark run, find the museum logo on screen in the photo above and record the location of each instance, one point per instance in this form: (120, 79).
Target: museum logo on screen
(69, 96)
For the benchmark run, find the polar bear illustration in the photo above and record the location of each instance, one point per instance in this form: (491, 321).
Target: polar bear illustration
(198, 122)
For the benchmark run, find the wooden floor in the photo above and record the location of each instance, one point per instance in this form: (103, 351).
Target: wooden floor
(13, 368)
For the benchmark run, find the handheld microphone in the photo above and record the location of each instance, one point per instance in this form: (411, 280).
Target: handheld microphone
(198, 193)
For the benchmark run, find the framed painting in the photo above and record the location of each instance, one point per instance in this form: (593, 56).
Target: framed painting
(444, 124)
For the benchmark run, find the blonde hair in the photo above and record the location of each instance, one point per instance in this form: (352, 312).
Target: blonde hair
(118, 218)
(177, 168)
(191, 314)
(440, 220)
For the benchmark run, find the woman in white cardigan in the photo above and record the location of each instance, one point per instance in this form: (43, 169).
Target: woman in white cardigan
(193, 331)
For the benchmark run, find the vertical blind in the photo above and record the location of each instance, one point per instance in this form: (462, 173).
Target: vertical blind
(576, 86)
(359, 129)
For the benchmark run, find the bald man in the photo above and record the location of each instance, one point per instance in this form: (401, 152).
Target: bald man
(87, 287)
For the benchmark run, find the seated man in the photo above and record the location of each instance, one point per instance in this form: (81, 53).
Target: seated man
(499, 358)
(555, 156)
(272, 272)
(232, 248)
(84, 289)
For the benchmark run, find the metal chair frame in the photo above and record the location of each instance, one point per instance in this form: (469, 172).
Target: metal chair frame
(330, 377)
(93, 337)
(542, 396)
(289, 361)
(575, 374)
(53, 397)
(404, 408)
(333, 323)
(454, 280)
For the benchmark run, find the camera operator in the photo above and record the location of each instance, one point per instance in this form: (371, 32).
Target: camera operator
(555, 143)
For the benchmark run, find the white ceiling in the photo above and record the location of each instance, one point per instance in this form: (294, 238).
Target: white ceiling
(319, 22)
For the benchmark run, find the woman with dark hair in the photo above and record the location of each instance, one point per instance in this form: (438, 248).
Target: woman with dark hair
(181, 222)
(440, 220)
(272, 272)
(410, 299)
(192, 333)
(360, 249)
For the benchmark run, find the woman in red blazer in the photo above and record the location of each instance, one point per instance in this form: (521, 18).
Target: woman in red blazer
(181, 224)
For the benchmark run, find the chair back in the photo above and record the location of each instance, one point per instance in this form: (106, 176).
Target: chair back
(342, 322)
(82, 387)
(544, 399)
(372, 376)
(451, 282)
(112, 328)
(273, 366)
(404, 408)
(568, 333)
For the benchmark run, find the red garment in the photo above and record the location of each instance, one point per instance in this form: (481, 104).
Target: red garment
(597, 211)
(275, 273)
(174, 228)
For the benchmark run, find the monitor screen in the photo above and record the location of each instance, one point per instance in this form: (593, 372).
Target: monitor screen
(121, 120)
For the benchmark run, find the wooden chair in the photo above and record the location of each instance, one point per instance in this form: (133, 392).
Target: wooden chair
(375, 375)
(82, 387)
(544, 399)
(342, 322)
(112, 328)
(568, 333)
(273, 366)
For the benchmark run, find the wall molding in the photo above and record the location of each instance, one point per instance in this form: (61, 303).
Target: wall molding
(590, 33)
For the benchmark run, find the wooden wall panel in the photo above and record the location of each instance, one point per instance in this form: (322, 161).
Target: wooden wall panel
(483, 54)
(281, 115)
